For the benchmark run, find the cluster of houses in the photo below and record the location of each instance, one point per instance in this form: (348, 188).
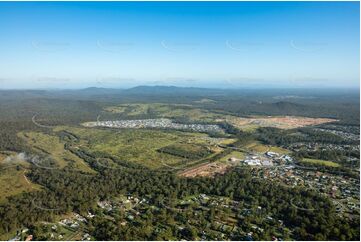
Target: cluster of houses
(73, 223)
(56, 232)
(313, 146)
(224, 229)
(342, 134)
(267, 159)
(22, 235)
(126, 203)
(251, 161)
(155, 123)
(338, 187)
(273, 166)
(105, 205)
(69, 222)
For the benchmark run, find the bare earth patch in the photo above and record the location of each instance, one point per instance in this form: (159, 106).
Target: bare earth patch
(209, 169)
(282, 122)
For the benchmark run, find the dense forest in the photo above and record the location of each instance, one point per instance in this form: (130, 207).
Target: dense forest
(68, 191)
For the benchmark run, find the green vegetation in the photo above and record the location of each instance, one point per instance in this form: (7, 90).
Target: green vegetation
(233, 154)
(162, 110)
(279, 150)
(151, 148)
(257, 147)
(320, 162)
(188, 151)
(98, 164)
(51, 146)
(13, 182)
(162, 188)
(314, 144)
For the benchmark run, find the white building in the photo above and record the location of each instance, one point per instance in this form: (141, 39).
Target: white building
(253, 162)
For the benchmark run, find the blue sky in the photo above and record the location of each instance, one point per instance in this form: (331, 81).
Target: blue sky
(206, 44)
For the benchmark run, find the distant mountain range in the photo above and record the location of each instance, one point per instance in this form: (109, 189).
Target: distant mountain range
(174, 91)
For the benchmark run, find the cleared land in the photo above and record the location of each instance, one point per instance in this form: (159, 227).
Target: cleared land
(257, 147)
(13, 178)
(163, 148)
(235, 154)
(321, 162)
(51, 146)
(189, 112)
(164, 111)
(205, 170)
(151, 148)
(218, 167)
(279, 150)
(281, 122)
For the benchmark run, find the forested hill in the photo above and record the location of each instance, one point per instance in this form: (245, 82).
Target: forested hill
(341, 104)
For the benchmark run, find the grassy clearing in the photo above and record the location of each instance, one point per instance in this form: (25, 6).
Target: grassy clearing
(321, 162)
(116, 109)
(234, 154)
(52, 146)
(2, 156)
(279, 150)
(13, 182)
(139, 145)
(257, 147)
(12, 175)
(241, 123)
(164, 111)
(191, 114)
(186, 150)
(227, 141)
(142, 146)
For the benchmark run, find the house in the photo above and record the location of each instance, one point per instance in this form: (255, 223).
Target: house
(286, 158)
(267, 163)
(253, 162)
(105, 205)
(86, 236)
(74, 225)
(79, 217)
(65, 222)
(90, 215)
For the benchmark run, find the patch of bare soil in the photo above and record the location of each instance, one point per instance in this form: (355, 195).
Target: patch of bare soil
(205, 170)
(282, 122)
